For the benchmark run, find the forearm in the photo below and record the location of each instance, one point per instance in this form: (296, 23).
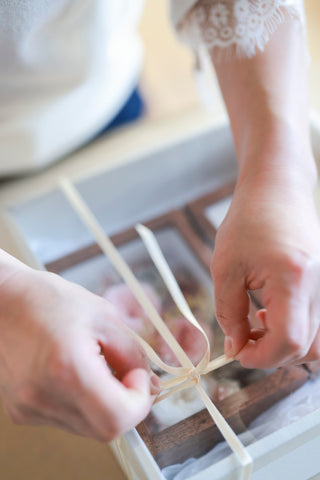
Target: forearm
(267, 100)
(270, 237)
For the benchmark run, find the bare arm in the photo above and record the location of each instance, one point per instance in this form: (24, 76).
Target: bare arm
(270, 239)
(267, 100)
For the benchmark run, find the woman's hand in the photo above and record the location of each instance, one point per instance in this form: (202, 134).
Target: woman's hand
(59, 345)
(270, 240)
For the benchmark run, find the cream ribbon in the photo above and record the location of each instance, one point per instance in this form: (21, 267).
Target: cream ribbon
(187, 375)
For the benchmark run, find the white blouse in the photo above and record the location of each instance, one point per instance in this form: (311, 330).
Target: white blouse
(67, 66)
(233, 26)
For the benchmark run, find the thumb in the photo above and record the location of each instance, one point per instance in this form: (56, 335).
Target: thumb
(143, 381)
(120, 349)
(232, 310)
(137, 379)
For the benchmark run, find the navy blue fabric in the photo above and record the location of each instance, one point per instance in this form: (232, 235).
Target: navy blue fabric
(132, 110)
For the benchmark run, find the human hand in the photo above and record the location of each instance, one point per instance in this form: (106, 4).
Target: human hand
(51, 368)
(270, 240)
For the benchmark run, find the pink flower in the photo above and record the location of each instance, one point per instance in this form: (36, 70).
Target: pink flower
(134, 316)
(190, 339)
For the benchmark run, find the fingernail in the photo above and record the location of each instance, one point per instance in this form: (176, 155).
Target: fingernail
(228, 346)
(155, 384)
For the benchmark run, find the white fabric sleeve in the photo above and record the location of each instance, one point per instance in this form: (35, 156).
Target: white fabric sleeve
(240, 26)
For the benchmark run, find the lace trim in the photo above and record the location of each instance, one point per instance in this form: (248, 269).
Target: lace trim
(241, 26)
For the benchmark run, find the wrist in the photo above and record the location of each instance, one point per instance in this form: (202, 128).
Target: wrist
(277, 152)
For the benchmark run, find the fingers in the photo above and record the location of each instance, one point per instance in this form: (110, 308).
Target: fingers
(291, 318)
(136, 380)
(287, 337)
(85, 398)
(290, 321)
(232, 309)
(64, 381)
(120, 349)
(112, 407)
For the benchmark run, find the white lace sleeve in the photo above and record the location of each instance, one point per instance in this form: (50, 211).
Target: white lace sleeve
(241, 26)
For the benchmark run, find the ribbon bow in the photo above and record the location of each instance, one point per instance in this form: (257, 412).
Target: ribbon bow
(187, 375)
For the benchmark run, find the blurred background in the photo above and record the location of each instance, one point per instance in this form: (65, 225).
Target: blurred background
(168, 88)
(167, 78)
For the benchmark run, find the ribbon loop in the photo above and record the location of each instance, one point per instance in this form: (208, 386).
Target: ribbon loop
(188, 374)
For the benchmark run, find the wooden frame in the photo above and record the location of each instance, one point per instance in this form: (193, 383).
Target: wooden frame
(174, 219)
(197, 434)
(196, 210)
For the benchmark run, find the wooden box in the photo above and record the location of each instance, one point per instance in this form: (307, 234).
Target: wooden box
(239, 394)
(170, 178)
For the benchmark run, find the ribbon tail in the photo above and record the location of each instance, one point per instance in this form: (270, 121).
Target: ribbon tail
(229, 435)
